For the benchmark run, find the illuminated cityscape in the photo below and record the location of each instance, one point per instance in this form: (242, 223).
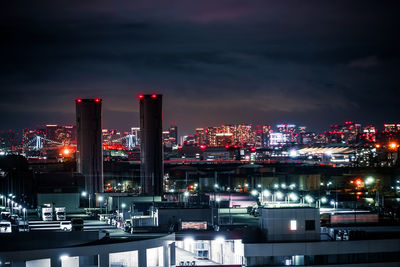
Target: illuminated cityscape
(212, 133)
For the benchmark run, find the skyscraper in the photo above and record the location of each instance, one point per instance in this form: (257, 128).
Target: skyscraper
(89, 152)
(151, 149)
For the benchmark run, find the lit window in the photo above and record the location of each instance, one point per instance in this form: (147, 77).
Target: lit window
(293, 225)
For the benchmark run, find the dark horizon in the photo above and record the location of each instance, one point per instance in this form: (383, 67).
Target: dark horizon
(225, 62)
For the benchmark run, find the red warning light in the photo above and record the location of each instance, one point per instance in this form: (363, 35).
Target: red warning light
(97, 100)
(203, 146)
(226, 146)
(253, 149)
(79, 100)
(141, 96)
(154, 96)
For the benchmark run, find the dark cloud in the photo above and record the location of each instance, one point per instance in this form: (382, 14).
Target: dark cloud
(215, 61)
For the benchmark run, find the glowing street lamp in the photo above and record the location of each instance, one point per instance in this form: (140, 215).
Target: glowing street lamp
(309, 199)
(369, 180)
(254, 192)
(279, 195)
(293, 197)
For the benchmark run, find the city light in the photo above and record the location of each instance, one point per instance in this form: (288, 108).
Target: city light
(369, 180)
(123, 205)
(186, 194)
(266, 193)
(64, 257)
(220, 239)
(324, 200)
(154, 96)
(79, 100)
(254, 192)
(293, 153)
(293, 197)
(84, 193)
(140, 96)
(309, 199)
(66, 151)
(279, 195)
(393, 145)
(100, 198)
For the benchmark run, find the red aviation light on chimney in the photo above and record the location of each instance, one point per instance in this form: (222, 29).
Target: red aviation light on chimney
(79, 100)
(140, 96)
(154, 96)
(97, 100)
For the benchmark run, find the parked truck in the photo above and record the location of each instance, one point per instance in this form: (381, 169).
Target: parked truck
(61, 214)
(47, 213)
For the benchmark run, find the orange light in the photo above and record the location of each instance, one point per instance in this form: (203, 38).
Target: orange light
(79, 100)
(393, 145)
(377, 145)
(358, 182)
(66, 151)
(154, 96)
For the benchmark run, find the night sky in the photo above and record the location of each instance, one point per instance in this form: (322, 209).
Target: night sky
(312, 63)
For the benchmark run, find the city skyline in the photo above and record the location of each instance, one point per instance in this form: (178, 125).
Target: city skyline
(310, 63)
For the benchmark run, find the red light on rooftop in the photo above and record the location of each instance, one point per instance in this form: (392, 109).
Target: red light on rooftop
(140, 96)
(79, 100)
(154, 96)
(203, 146)
(253, 149)
(227, 146)
(97, 100)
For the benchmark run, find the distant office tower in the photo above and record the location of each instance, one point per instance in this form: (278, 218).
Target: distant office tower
(173, 134)
(89, 152)
(151, 149)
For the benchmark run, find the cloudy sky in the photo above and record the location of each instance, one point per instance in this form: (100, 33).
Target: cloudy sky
(313, 63)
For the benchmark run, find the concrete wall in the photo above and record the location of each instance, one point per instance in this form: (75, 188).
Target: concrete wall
(169, 216)
(276, 223)
(262, 253)
(99, 252)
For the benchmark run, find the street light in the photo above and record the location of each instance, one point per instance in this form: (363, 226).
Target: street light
(101, 199)
(293, 197)
(254, 192)
(309, 199)
(369, 180)
(279, 195)
(85, 194)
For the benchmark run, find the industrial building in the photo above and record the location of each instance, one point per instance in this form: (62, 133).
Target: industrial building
(151, 169)
(89, 152)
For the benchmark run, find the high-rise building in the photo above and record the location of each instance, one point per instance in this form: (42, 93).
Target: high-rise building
(200, 136)
(151, 154)
(173, 134)
(89, 152)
